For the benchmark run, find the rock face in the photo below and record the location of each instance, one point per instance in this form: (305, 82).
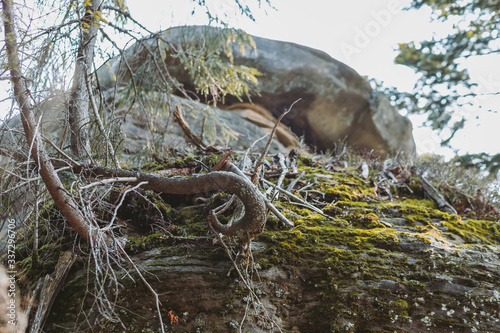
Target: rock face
(373, 266)
(142, 129)
(337, 104)
(139, 128)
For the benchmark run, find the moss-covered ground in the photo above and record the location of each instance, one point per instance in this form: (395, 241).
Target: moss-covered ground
(375, 261)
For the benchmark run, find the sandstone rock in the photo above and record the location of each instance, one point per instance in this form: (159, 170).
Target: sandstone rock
(421, 270)
(320, 277)
(265, 120)
(140, 129)
(336, 102)
(156, 127)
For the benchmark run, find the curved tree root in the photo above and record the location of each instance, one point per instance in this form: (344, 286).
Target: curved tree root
(250, 224)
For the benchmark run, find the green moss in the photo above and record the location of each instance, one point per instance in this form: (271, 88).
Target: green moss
(369, 264)
(193, 222)
(162, 206)
(337, 185)
(475, 231)
(355, 246)
(139, 244)
(305, 161)
(400, 306)
(182, 162)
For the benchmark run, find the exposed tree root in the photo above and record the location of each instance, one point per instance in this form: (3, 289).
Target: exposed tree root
(250, 223)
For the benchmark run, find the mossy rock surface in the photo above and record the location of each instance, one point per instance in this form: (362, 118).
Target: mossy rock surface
(371, 265)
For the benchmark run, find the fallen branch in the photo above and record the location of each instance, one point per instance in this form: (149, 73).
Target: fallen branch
(295, 181)
(196, 140)
(301, 201)
(432, 192)
(50, 289)
(278, 214)
(279, 182)
(108, 181)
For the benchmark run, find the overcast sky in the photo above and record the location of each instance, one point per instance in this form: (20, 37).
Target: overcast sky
(363, 34)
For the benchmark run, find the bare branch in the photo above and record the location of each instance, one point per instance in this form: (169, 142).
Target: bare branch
(133, 179)
(155, 294)
(197, 140)
(127, 16)
(99, 122)
(59, 150)
(258, 165)
(109, 181)
(301, 201)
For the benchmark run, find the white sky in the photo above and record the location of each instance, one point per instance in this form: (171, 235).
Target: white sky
(363, 34)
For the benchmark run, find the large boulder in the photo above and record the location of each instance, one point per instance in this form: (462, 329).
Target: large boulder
(143, 129)
(337, 104)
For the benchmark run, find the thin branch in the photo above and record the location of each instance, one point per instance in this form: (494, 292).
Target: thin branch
(266, 149)
(28, 180)
(278, 214)
(233, 168)
(109, 181)
(242, 277)
(16, 155)
(122, 199)
(295, 181)
(303, 202)
(128, 16)
(59, 150)
(55, 28)
(99, 121)
(155, 294)
(284, 171)
(196, 140)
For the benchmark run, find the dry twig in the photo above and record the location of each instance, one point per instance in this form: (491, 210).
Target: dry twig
(243, 278)
(300, 200)
(99, 122)
(259, 163)
(151, 289)
(197, 140)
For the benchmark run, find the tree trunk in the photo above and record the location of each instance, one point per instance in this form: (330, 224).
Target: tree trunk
(78, 113)
(63, 201)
